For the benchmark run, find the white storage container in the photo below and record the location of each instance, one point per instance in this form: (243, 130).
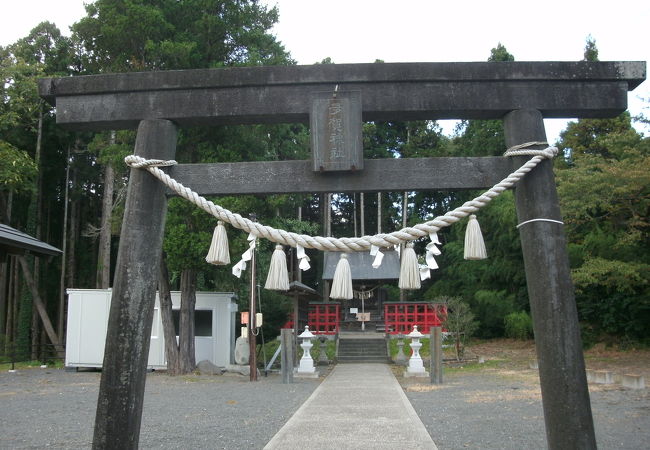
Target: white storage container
(88, 311)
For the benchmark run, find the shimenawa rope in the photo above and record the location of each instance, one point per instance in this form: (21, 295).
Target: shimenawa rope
(349, 244)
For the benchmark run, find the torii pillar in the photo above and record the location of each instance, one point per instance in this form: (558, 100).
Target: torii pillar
(565, 394)
(121, 391)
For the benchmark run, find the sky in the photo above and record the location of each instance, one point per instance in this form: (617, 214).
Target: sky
(362, 31)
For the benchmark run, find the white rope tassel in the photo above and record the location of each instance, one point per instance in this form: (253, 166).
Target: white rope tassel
(278, 277)
(474, 245)
(409, 273)
(342, 282)
(219, 253)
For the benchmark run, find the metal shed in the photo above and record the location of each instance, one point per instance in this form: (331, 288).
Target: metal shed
(88, 311)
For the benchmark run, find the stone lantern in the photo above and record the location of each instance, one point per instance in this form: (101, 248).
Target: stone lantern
(415, 367)
(306, 367)
(400, 358)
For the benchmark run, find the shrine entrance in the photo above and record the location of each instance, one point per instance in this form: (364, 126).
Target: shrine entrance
(365, 310)
(522, 94)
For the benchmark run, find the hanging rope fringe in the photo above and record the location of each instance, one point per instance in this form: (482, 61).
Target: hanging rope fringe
(379, 256)
(303, 258)
(348, 244)
(474, 245)
(278, 277)
(409, 272)
(219, 253)
(342, 282)
(238, 268)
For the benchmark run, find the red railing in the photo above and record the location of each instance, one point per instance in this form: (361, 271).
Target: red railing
(324, 318)
(289, 322)
(400, 317)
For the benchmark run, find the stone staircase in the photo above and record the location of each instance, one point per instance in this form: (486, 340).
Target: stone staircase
(366, 349)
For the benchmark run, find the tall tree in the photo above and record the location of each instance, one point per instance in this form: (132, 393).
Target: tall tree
(495, 287)
(604, 193)
(136, 35)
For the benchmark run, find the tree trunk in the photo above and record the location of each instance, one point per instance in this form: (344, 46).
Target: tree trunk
(38, 303)
(35, 334)
(328, 205)
(11, 288)
(378, 212)
(4, 278)
(186, 322)
(167, 318)
(72, 239)
(104, 251)
(60, 323)
(362, 208)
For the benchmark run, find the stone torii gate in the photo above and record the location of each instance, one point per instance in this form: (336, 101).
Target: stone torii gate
(520, 93)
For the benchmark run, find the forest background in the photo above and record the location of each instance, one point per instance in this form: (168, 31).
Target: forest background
(67, 188)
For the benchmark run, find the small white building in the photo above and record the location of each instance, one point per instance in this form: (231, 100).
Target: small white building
(88, 311)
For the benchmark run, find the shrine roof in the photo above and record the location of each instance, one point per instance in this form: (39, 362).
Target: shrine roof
(13, 241)
(361, 266)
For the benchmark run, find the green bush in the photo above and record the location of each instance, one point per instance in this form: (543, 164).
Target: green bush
(518, 325)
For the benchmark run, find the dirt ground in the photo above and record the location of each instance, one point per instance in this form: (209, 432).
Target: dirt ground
(508, 354)
(498, 404)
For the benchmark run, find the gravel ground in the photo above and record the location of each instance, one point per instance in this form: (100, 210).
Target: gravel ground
(503, 410)
(487, 409)
(43, 408)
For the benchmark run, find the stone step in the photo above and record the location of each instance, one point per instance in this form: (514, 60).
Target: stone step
(362, 350)
(359, 354)
(633, 381)
(362, 343)
(362, 359)
(355, 347)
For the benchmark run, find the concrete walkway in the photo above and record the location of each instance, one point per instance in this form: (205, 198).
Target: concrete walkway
(357, 406)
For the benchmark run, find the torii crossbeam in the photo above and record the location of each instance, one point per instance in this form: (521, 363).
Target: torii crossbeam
(520, 93)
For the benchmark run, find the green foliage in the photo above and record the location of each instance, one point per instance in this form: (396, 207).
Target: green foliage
(425, 350)
(591, 51)
(45, 46)
(131, 35)
(17, 169)
(459, 321)
(500, 53)
(494, 287)
(492, 307)
(519, 325)
(113, 151)
(605, 198)
(20, 104)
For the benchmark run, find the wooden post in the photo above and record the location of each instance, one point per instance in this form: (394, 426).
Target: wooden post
(435, 347)
(565, 395)
(286, 353)
(252, 327)
(38, 302)
(121, 391)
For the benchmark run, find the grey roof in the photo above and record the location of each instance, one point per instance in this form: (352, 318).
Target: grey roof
(302, 289)
(14, 241)
(361, 266)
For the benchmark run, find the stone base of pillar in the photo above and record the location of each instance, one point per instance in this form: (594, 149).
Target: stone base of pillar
(416, 374)
(298, 374)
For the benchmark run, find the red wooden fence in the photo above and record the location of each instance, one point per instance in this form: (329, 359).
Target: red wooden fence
(400, 317)
(324, 318)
